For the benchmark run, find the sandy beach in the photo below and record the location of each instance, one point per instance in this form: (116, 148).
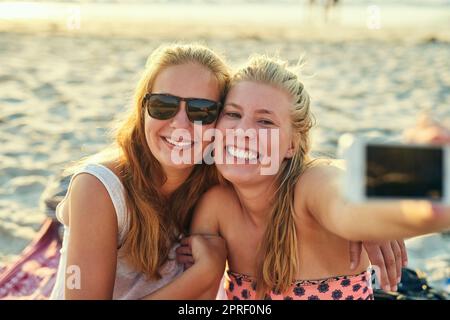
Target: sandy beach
(61, 89)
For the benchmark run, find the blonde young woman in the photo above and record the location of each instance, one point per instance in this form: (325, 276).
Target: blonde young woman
(287, 234)
(125, 210)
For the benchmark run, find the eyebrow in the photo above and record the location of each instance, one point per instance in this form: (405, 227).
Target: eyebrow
(264, 111)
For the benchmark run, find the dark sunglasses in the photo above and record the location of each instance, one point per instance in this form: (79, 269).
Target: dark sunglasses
(165, 106)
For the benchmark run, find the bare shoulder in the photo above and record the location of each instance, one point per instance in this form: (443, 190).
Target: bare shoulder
(320, 173)
(218, 199)
(213, 209)
(87, 186)
(89, 199)
(219, 195)
(315, 181)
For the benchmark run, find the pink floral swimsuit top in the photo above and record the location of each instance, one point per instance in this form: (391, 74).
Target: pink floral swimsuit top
(355, 287)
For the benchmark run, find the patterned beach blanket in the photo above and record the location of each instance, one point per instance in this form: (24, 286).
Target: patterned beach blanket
(33, 275)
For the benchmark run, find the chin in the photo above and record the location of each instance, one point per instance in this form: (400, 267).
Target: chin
(163, 153)
(240, 174)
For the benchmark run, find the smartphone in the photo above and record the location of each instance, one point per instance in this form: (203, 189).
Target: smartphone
(395, 171)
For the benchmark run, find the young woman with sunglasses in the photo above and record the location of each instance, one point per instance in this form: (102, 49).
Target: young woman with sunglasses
(126, 209)
(287, 234)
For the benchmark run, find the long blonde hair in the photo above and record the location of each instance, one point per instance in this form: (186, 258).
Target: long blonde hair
(278, 252)
(156, 220)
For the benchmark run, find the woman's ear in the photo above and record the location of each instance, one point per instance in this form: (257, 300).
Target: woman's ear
(291, 151)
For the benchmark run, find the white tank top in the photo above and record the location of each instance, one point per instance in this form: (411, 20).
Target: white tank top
(129, 284)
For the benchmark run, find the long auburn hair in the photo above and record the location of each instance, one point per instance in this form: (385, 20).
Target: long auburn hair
(154, 220)
(278, 251)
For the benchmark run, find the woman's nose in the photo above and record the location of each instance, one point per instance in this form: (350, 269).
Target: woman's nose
(245, 132)
(181, 120)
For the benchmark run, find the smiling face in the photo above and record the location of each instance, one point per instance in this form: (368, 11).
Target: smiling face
(255, 106)
(186, 81)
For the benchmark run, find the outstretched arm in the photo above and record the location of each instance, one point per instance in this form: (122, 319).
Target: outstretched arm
(372, 221)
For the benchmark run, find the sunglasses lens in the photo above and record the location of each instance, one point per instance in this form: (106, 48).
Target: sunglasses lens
(162, 107)
(203, 110)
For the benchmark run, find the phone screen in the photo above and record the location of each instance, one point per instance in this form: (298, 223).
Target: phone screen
(404, 172)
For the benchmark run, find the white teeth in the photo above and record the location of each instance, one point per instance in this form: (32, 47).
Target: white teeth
(242, 154)
(181, 144)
